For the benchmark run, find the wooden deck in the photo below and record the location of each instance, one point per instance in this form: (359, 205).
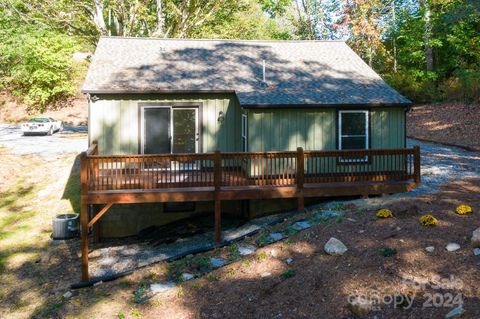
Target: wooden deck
(125, 179)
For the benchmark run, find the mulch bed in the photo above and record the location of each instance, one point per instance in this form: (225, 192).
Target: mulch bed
(317, 285)
(451, 124)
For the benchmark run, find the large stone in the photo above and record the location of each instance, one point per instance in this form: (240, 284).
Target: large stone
(430, 249)
(187, 276)
(301, 225)
(67, 295)
(161, 287)
(456, 312)
(335, 247)
(276, 236)
(476, 238)
(245, 250)
(217, 262)
(452, 247)
(359, 306)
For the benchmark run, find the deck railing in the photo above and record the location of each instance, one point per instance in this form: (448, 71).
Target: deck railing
(275, 169)
(122, 179)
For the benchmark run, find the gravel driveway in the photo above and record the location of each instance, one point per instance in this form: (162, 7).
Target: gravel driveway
(73, 139)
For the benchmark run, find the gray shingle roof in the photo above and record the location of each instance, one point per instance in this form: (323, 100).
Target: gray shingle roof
(297, 72)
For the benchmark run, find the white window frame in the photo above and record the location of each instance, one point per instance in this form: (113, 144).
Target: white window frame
(244, 132)
(367, 133)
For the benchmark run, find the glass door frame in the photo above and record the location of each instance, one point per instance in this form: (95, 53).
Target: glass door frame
(171, 107)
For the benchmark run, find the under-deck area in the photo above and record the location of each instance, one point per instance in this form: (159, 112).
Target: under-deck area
(126, 179)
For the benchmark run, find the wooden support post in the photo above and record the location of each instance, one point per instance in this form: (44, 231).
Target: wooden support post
(84, 214)
(416, 158)
(217, 180)
(96, 227)
(300, 178)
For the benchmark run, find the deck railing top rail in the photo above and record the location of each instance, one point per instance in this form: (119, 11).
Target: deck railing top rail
(275, 169)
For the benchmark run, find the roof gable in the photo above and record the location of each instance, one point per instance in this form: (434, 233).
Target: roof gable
(296, 72)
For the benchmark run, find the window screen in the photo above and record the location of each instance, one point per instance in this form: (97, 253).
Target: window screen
(353, 130)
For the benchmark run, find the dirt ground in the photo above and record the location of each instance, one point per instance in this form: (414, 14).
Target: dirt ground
(321, 284)
(74, 112)
(451, 124)
(315, 285)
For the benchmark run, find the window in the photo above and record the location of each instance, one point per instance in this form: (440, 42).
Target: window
(244, 132)
(353, 131)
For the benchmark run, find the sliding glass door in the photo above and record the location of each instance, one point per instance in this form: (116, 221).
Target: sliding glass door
(169, 130)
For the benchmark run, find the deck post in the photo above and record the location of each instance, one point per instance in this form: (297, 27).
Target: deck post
(217, 179)
(300, 178)
(84, 214)
(416, 158)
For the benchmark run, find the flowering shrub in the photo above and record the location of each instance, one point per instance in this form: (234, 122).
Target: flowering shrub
(463, 210)
(384, 213)
(428, 220)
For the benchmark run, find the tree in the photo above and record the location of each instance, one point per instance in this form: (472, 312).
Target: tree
(362, 21)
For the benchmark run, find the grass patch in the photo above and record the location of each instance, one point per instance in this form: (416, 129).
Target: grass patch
(234, 252)
(388, 252)
(288, 274)
(261, 256)
(136, 313)
(212, 277)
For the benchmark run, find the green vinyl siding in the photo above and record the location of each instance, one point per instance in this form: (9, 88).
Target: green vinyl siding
(114, 121)
(387, 128)
(285, 130)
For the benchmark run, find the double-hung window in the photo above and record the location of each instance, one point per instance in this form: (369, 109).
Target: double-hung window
(244, 132)
(353, 132)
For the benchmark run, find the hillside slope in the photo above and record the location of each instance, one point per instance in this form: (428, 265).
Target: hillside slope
(452, 124)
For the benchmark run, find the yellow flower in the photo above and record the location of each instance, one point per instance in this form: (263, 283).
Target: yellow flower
(384, 213)
(463, 210)
(428, 220)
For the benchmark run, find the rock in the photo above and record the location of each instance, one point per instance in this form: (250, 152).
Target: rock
(245, 250)
(359, 306)
(161, 287)
(351, 220)
(476, 251)
(265, 274)
(276, 236)
(289, 260)
(67, 295)
(430, 249)
(217, 262)
(452, 247)
(476, 238)
(273, 253)
(301, 225)
(331, 214)
(187, 276)
(455, 312)
(335, 247)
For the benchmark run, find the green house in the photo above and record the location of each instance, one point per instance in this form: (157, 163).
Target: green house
(176, 96)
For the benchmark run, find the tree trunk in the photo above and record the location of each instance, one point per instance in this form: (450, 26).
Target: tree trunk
(160, 30)
(98, 18)
(427, 34)
(394, 36)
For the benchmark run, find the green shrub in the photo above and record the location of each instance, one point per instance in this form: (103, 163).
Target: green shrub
(36, 63)
(463, 86)
(418, 86)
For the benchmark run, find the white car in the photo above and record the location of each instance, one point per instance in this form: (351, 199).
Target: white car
(42, 125)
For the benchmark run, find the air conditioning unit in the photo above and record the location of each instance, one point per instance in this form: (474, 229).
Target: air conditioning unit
(65, 226)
